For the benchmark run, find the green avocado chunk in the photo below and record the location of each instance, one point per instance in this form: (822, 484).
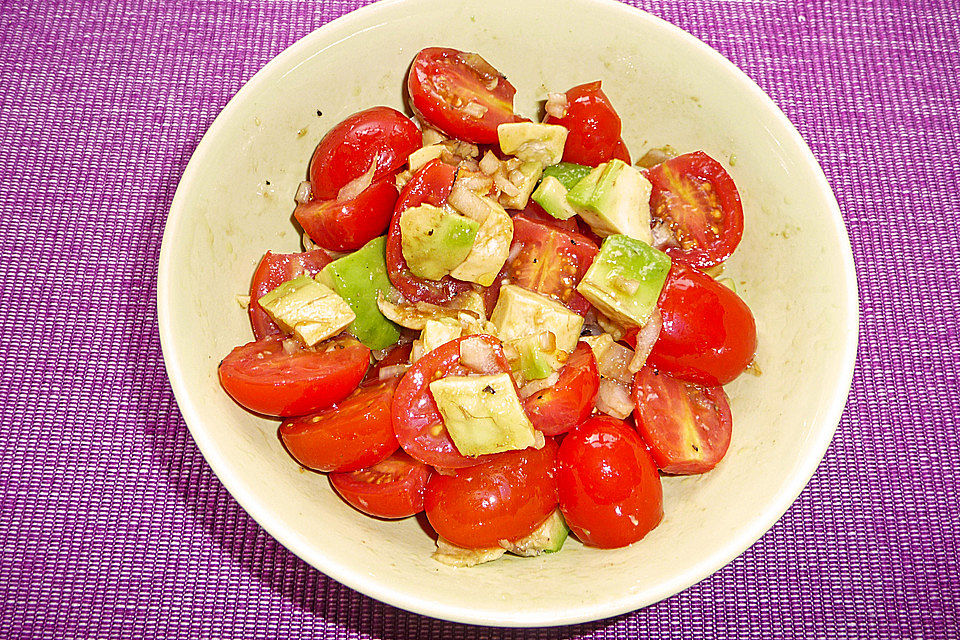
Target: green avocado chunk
(625, 280)
(567, 173)
(547, 538)
(435, 241)
(358, 278)
(614, 198)
(552, 196)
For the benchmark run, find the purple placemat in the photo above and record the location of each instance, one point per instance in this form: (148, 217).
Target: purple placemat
(113, 526)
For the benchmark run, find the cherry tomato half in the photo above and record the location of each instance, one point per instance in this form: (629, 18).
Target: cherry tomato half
(349, 224)
(392, 488)
(416, 419)
(686, 427)
(350, 435)
(348, 150)
(593, 125)
(265, 378)
(610, 491)
(709, 335)
(275, 269)
(505, 498)
(567, 403)
(696, 199)
(460, 94)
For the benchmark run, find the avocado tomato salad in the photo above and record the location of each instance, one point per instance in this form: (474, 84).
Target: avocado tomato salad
(501, 322)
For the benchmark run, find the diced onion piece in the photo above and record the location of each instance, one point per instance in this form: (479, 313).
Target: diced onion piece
(477, 182)
(557, 105)
(646, 338)
(304, 192)
(614, 363)
(432, 136)
(468, 203)
(477, 354)
(614, 399)
(489, 163)
(474, 109)
(393, 371)
(243, 300)
(533, 387)
(359, 184)
(290, 346)
(538, 439)
(505, 185)
(663, 237)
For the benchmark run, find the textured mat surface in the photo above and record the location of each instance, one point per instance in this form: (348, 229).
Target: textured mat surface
(113, 526)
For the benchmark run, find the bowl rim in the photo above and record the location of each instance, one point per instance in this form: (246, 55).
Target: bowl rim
(367, 584)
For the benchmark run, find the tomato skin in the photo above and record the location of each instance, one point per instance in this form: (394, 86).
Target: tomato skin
(697, 199)
(440, 78)
(609, 488)
(261, 377)
(392, 488)
(275, 269)
(686, 427)
(709, 335)
(431, 185)
(593, 125)
(569, 402)
(353, 434)
(505, 498)
(348, 150)
(349, 224)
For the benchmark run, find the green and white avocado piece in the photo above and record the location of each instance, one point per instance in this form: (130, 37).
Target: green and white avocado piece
(547, 538)
(533, 142)
(520, 314)
(307, 309)
(483, 414)
(625, 280)
(455, 556)
(435, 333)
(423, 155)
(531, 172)
(490, 247)
(434, 241)
(614, 198)
(552, 196)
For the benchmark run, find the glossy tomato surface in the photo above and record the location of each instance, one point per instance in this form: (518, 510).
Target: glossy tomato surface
(696, 199)
(709, 335)
(347, 225)
(416, 419)
(460, 94)
(263, 377)
(352, 434)
(505, 498)
(593, 125)
(275, 269)
(392, 488)
(610, 491)
(430, 185)
(687, 427)
(561, 407)
(348, 150)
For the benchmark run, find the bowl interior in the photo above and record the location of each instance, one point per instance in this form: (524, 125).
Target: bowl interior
(794, 269)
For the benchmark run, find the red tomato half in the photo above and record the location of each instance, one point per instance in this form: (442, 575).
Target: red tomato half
(505, 498)
(566, 404)
(686, 427)
(275, 269)
(431, 185)
(610, 491)
(593, 125)
(264, 378)
(416, 419)
(697, 200)
(348, 150)
(460, 94)
(350, 435)
(709, 335)
(392, 488)
(349, 224)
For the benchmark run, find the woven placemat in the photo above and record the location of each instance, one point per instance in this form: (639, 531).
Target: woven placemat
(113, 526)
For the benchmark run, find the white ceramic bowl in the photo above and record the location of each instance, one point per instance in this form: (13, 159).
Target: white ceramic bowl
(794, 268)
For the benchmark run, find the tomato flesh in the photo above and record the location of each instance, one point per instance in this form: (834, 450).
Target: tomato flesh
(686, 427)
(392, 488)
(563, 406)
(348, 150)
(593, 125)
(347, 225)
(275, 269)
(505, 498)
(262, 377)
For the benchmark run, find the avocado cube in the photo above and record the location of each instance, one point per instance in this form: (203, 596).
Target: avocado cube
(547, 538)
(533, 142)
(520, 313)
(424, 155)
(531, 172)
(552, 196)
(625, 279)
(358, 278)
(490, 247)
(435, 333)
(614, 198)
(434, 240)
(568, 173)
(307, 309)
(534, 363)
(483, 414)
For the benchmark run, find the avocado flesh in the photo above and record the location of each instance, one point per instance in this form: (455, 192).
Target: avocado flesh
(568, 173)
(307, 309)
(531, 172)
(532, 141)
(534, 363)
(547, 538)
(359, 278)
(521, 313)
(435, 241)
(552, 196)
(489, 249)
(614, 198)
(625, 279)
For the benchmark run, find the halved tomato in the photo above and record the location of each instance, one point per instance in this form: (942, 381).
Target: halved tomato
(593, 125)
(266, 378)
(696, 199)
(567, 403)
(460, 94)
(392, 488)
(686, 427)
(275, 269)
(347, 225)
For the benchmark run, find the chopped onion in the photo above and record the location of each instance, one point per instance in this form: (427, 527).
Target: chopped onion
(477, 354)
(505, 185)
(533, 387)
(474, 109)
(614, 363)
(663, 236)
(538, 440)
(308, 243)
(393, 371)
(614, 399)
(476, 182)
(646, 338)
(304, 192)
(468, 203)
(557, 105)
(290, 346)
(356, 186)
(432, 136)
(489, 163)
